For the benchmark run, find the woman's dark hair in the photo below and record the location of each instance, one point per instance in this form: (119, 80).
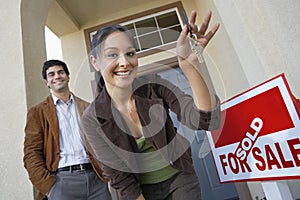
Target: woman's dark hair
(102, 34)
(51, 63)
(98, 38)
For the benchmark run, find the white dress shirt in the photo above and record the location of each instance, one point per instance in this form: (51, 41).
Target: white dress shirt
(72, 147)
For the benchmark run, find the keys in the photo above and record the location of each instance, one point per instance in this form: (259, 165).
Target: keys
(196, 48)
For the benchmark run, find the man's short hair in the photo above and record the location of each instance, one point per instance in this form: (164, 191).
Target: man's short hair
(51, 63)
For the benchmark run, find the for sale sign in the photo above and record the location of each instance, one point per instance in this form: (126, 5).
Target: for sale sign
(259, 138)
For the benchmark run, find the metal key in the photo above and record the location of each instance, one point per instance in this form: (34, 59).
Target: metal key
(196, 48)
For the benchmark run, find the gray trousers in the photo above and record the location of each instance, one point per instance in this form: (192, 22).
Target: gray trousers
(81, 185)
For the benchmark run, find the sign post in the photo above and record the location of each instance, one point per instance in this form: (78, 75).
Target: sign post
(259, 138)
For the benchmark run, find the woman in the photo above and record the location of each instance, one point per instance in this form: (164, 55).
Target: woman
(128, 126)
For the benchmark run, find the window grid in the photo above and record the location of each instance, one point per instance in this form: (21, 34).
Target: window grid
(157, 30)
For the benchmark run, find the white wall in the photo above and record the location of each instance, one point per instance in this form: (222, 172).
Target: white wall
(22, 54)
(14, 183)
(265, 36)
(76, 57)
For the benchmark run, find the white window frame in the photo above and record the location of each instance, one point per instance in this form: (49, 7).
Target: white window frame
(159, 30)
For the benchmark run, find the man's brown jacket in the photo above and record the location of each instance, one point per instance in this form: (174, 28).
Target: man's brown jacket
(41, 145)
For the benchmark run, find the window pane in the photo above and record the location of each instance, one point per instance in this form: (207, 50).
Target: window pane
(137, 45)
(130, 27)
(171, 34)
(155, 30)
(167, 20)
(145, 23)
(149, 41)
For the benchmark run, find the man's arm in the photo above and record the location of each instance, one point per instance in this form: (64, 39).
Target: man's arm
(34, 155)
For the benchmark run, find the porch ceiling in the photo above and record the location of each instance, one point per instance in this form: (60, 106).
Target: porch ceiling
(67, 16)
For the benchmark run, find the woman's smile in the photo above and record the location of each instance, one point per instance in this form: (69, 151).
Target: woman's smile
(122, 73)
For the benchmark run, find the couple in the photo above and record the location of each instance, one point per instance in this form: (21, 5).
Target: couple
(128, 137)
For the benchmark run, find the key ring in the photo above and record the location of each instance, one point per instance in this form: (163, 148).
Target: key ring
(196, 47)
(193, 36)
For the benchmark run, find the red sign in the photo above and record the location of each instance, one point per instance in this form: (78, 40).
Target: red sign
(260, 135)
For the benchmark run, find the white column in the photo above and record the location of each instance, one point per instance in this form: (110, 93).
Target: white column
(22, 52)
(14, 182)
(277, 190)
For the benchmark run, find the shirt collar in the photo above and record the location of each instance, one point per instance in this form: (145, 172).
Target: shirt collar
(56, 99)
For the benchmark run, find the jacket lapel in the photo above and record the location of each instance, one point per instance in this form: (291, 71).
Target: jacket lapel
(112, 124)
(51, 117)
(151, 114)
(80, 105)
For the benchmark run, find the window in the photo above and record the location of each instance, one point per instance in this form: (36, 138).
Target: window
(153, 29)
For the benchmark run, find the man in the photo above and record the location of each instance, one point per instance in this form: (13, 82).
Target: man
(55, 155)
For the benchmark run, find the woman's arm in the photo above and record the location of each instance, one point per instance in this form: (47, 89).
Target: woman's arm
(195, 70)
(181, 104)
